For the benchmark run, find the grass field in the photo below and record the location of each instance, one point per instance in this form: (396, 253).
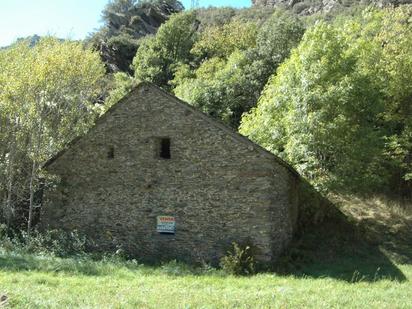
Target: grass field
(54, 283)
(328, 271)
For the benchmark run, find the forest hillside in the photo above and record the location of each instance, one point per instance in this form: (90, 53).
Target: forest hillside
(324, 85)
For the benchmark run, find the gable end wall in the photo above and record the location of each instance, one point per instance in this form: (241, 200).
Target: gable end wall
(218, 188)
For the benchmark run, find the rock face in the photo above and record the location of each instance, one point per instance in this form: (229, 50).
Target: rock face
(306, 7)
(118, 41)
(153, 155)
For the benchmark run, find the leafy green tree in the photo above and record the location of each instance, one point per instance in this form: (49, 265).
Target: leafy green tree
(221, 88)
(158, 56)
(47, 96)
(334, 108)
(224, 40)
(394, 71)
(122, 84)
(237, 62)
(276, 38)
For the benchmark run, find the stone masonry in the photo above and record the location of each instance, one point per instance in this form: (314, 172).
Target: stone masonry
(217, 185)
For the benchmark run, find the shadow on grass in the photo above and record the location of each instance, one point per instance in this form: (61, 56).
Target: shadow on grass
(76, 265)
(390, 229)
(339, 248)
(89, 265)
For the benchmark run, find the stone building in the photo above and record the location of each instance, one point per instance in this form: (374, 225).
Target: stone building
(164, 181)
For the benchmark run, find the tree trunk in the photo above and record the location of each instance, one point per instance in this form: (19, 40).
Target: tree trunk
(9, 209)
(31, 205)
(34, 171)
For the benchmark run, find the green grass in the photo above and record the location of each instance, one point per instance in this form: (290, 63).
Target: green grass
(364, 261)
(40, 282)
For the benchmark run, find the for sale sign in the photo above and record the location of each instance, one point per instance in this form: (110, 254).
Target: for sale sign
(166, 225)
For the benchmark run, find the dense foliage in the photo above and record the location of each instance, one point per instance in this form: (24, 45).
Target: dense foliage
(221, 68)
(339, 109)
(47, 97)
(239, 261)
(159, 55)
(52, 242)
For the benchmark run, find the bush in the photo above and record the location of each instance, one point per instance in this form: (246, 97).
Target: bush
(3, 230)
(54, 242)
(175, 268)
(239, 262)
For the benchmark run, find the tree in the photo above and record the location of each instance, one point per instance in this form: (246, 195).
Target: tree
(221, 88)
(236, 61)
(222, 41)
(47, 98)
(122, 85)
(12, 137)
(394, 71)
(276, 38)
(334, 108)
(158, 56)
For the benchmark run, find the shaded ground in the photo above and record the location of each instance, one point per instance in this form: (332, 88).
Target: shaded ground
(384, 223)
(361, 240)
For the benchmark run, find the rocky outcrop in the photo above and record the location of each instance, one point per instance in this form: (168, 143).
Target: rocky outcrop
(309, 7)
(118, 40)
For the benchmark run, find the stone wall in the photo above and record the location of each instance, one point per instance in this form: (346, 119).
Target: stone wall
(219, 186)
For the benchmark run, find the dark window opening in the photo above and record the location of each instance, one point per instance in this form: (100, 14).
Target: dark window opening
(165, 148)
(110, 153)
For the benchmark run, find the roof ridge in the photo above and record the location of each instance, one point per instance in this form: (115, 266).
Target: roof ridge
(216, 122)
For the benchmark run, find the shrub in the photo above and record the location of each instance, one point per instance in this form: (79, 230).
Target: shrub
(175, 268)
(53, 242)
(5, 242)
(3, 230)
(239, 261)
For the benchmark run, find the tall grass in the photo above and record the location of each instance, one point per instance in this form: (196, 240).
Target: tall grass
(52, 282)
